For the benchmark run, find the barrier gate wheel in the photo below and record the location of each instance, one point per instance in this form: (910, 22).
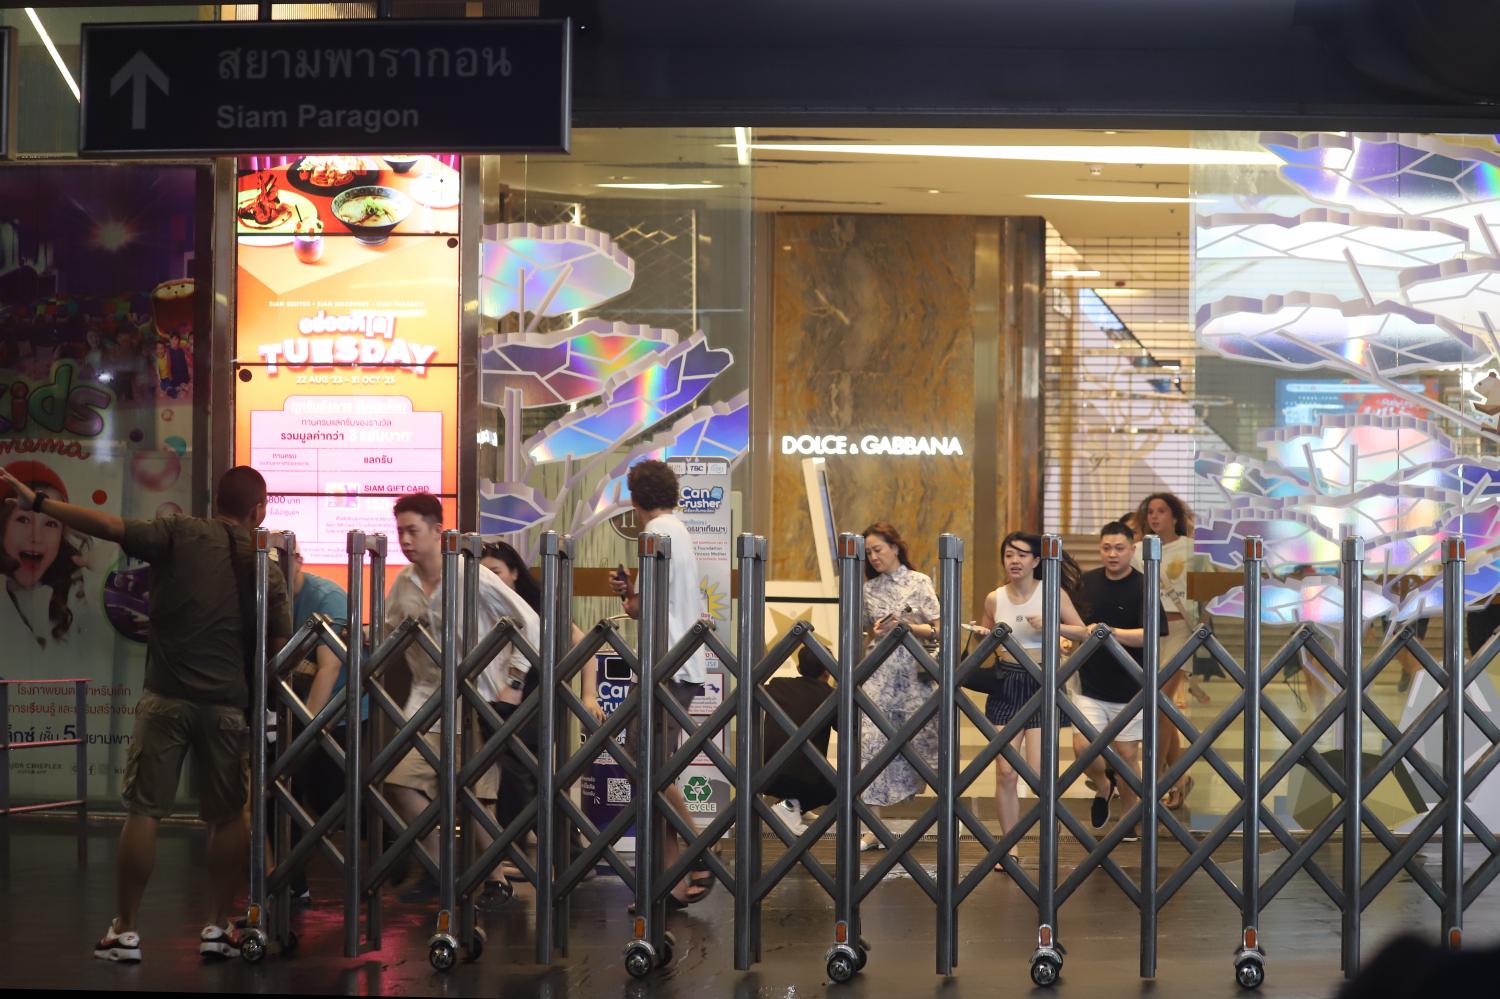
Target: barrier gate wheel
(1249, 970)
(442, 953)
(844, 962)
(475, 948)
(1045, 967)
(641, 958)
(253, 947)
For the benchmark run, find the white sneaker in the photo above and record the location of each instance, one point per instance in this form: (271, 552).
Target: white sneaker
(789, 810)
(125, 947)
(219, 941)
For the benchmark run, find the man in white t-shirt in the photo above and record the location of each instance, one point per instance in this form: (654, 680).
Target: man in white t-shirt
(418, 593)
(653, 495)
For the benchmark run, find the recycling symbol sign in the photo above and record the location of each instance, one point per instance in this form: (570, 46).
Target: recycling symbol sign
(697, 789)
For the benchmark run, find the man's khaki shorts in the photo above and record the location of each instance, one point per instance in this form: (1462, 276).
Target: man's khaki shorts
(414, 772)
(166, 730)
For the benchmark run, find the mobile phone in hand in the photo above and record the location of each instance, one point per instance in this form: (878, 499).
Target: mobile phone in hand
(620, 573)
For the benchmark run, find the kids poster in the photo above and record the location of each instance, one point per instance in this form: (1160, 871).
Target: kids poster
(100, 314)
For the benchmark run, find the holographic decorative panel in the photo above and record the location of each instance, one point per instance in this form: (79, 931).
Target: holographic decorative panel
(1403, 229)
(1313, 600)
(618, 379)
(634, 399)
(568, 366)
(1402, 174)
(511, 507)
(1310, 330)
(549, 270)
(1326, 234)
(719, 430)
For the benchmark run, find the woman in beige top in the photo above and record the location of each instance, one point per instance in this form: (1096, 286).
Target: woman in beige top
(1169, 518)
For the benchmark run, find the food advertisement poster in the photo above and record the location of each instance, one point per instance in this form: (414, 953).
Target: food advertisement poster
(346, 342)
(100, 316)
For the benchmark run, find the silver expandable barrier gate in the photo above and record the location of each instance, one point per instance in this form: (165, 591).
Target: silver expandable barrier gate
(556, 818)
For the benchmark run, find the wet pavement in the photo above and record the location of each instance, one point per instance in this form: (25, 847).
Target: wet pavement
(53, 907)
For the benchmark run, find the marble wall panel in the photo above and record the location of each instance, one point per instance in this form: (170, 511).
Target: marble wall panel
(873, 333)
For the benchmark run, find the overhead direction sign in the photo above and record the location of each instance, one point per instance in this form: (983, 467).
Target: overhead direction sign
(475, 85)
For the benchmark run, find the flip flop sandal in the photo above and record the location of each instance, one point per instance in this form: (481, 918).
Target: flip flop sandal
(674, 903)
(699, 876)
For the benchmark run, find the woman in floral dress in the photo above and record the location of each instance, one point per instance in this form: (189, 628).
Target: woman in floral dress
(896, 593)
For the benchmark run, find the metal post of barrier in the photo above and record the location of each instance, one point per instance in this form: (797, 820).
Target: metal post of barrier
(469, 548)
(1046, 961)
(756, 613)
(648, 931)
(361, 744)
(546, 816)
(257, 923)
(81, 782)
(950, 572)
(1352, 579)
(5, 809)
(846, 929)
(442, 948)
(285, 542)
(1150, 718)
(1454, 554)
(1249, 959)
(747, 758)
(561, 735)
(354, 790)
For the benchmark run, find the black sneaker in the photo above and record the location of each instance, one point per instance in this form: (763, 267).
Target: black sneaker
(1099, 812)
(494, 896)
(302, 899)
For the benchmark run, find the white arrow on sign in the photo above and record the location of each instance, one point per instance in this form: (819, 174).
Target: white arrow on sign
(137, 72)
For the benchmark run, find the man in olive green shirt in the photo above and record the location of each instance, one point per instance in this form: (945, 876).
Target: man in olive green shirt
(196, 697)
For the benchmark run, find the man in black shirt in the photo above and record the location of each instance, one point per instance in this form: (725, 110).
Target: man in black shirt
(799, 784)
(1114, 594)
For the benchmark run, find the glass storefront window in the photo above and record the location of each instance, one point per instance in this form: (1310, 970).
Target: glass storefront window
(615, 302)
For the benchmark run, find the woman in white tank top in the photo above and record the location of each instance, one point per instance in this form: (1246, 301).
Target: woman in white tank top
(1018, 603)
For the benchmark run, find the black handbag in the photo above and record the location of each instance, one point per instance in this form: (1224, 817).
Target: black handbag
(986, 679)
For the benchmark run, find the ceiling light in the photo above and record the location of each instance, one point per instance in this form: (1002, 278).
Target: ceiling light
(1142, 155)
(642, 186)
(1075, 274)
(742, 144)
(933, 190)
(1123, 199)
(62, 67)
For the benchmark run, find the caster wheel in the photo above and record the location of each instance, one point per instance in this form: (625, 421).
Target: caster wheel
(476, 946)
(861, 956)
(639, 959)
(1249, 974)
(441, 955)
(664, 956)
(842, 966)
(1044, 971)
(290, 947)
(253, 947)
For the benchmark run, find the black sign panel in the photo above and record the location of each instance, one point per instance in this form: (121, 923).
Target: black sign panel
(326, 86)
(7, 90)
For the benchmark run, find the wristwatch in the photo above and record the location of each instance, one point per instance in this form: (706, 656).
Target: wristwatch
(36, 501)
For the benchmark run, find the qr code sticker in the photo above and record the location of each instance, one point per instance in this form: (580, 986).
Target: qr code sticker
(617, 791)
